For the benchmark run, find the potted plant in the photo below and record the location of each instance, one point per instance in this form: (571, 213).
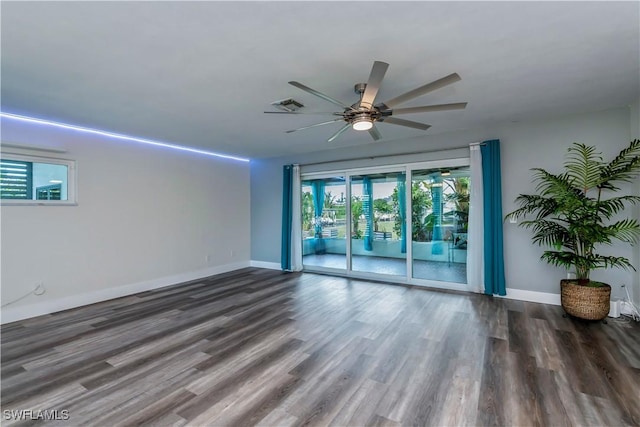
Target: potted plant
(571, 215)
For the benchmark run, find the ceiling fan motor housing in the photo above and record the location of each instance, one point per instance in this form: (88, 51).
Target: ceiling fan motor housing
(362, 121)
(359, 88)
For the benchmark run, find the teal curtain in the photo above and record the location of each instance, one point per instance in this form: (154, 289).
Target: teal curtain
(367, 210)
(494, 282)
(402, 206)
(317, 192)
(287, 217)
(436, 200)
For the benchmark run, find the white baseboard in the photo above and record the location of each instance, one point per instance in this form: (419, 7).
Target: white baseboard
(626, 308)
(533, 296)
(553, 299)
(263, 264)
(20, 312)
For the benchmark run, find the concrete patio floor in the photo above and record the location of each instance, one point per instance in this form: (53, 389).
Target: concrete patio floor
(428, 270)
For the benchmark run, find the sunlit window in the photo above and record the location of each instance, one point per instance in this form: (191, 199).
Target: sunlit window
(36, 180)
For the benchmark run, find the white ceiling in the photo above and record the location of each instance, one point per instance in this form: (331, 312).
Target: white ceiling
(202, 73)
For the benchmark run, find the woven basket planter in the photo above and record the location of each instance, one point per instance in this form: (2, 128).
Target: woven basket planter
(585, 302)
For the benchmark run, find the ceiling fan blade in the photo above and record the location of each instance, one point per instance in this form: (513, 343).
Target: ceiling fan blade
(429, 108)
(407, 123)
(340, 132)
(317, 124)
(373, 84)
(429, 87)
(306, 112)
(321, 95)
(375, 134)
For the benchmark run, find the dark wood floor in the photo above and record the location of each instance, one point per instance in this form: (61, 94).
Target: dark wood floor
(260, 347)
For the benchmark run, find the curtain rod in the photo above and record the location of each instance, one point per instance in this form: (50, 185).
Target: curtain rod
(392, 155)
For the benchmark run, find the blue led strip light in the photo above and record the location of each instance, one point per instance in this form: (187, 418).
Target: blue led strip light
(118, 136)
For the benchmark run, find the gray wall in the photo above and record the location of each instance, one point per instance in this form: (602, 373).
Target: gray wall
(524, 145)
(144, 213)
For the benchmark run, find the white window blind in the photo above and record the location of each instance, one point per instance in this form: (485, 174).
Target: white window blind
(16, 179)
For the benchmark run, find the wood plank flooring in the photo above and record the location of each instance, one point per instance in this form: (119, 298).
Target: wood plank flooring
(261, 347)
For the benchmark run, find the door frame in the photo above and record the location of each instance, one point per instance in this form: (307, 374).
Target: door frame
(408, 169)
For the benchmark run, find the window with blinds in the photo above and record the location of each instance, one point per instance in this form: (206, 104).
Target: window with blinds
(16, 178)
(28, 179)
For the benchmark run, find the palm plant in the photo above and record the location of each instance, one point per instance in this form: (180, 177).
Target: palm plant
(571, 215)
(420, 203)
(356, 212)
(461, 197)
(459, 194)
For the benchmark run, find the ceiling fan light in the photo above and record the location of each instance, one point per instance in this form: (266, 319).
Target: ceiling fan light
(362, 123)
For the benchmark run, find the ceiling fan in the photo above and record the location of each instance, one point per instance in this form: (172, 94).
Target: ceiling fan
(364, 114)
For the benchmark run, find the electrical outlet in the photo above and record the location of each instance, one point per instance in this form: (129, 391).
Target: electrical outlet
(39, 289)
(207, 259)
(231, 253)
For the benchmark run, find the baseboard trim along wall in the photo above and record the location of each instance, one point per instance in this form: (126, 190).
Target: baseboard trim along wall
(267, 265)
(627, 308)
(20, 312)
(532, 296)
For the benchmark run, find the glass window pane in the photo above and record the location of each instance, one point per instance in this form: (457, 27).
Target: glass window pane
(377, 232)
(324, 223)
(439, 220)
(15, 179)
(25, 178)
(50, 181)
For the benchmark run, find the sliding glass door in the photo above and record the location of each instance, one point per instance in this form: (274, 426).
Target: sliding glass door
(378, 241)
(324, 222)
(405, 223)
(439, 219)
